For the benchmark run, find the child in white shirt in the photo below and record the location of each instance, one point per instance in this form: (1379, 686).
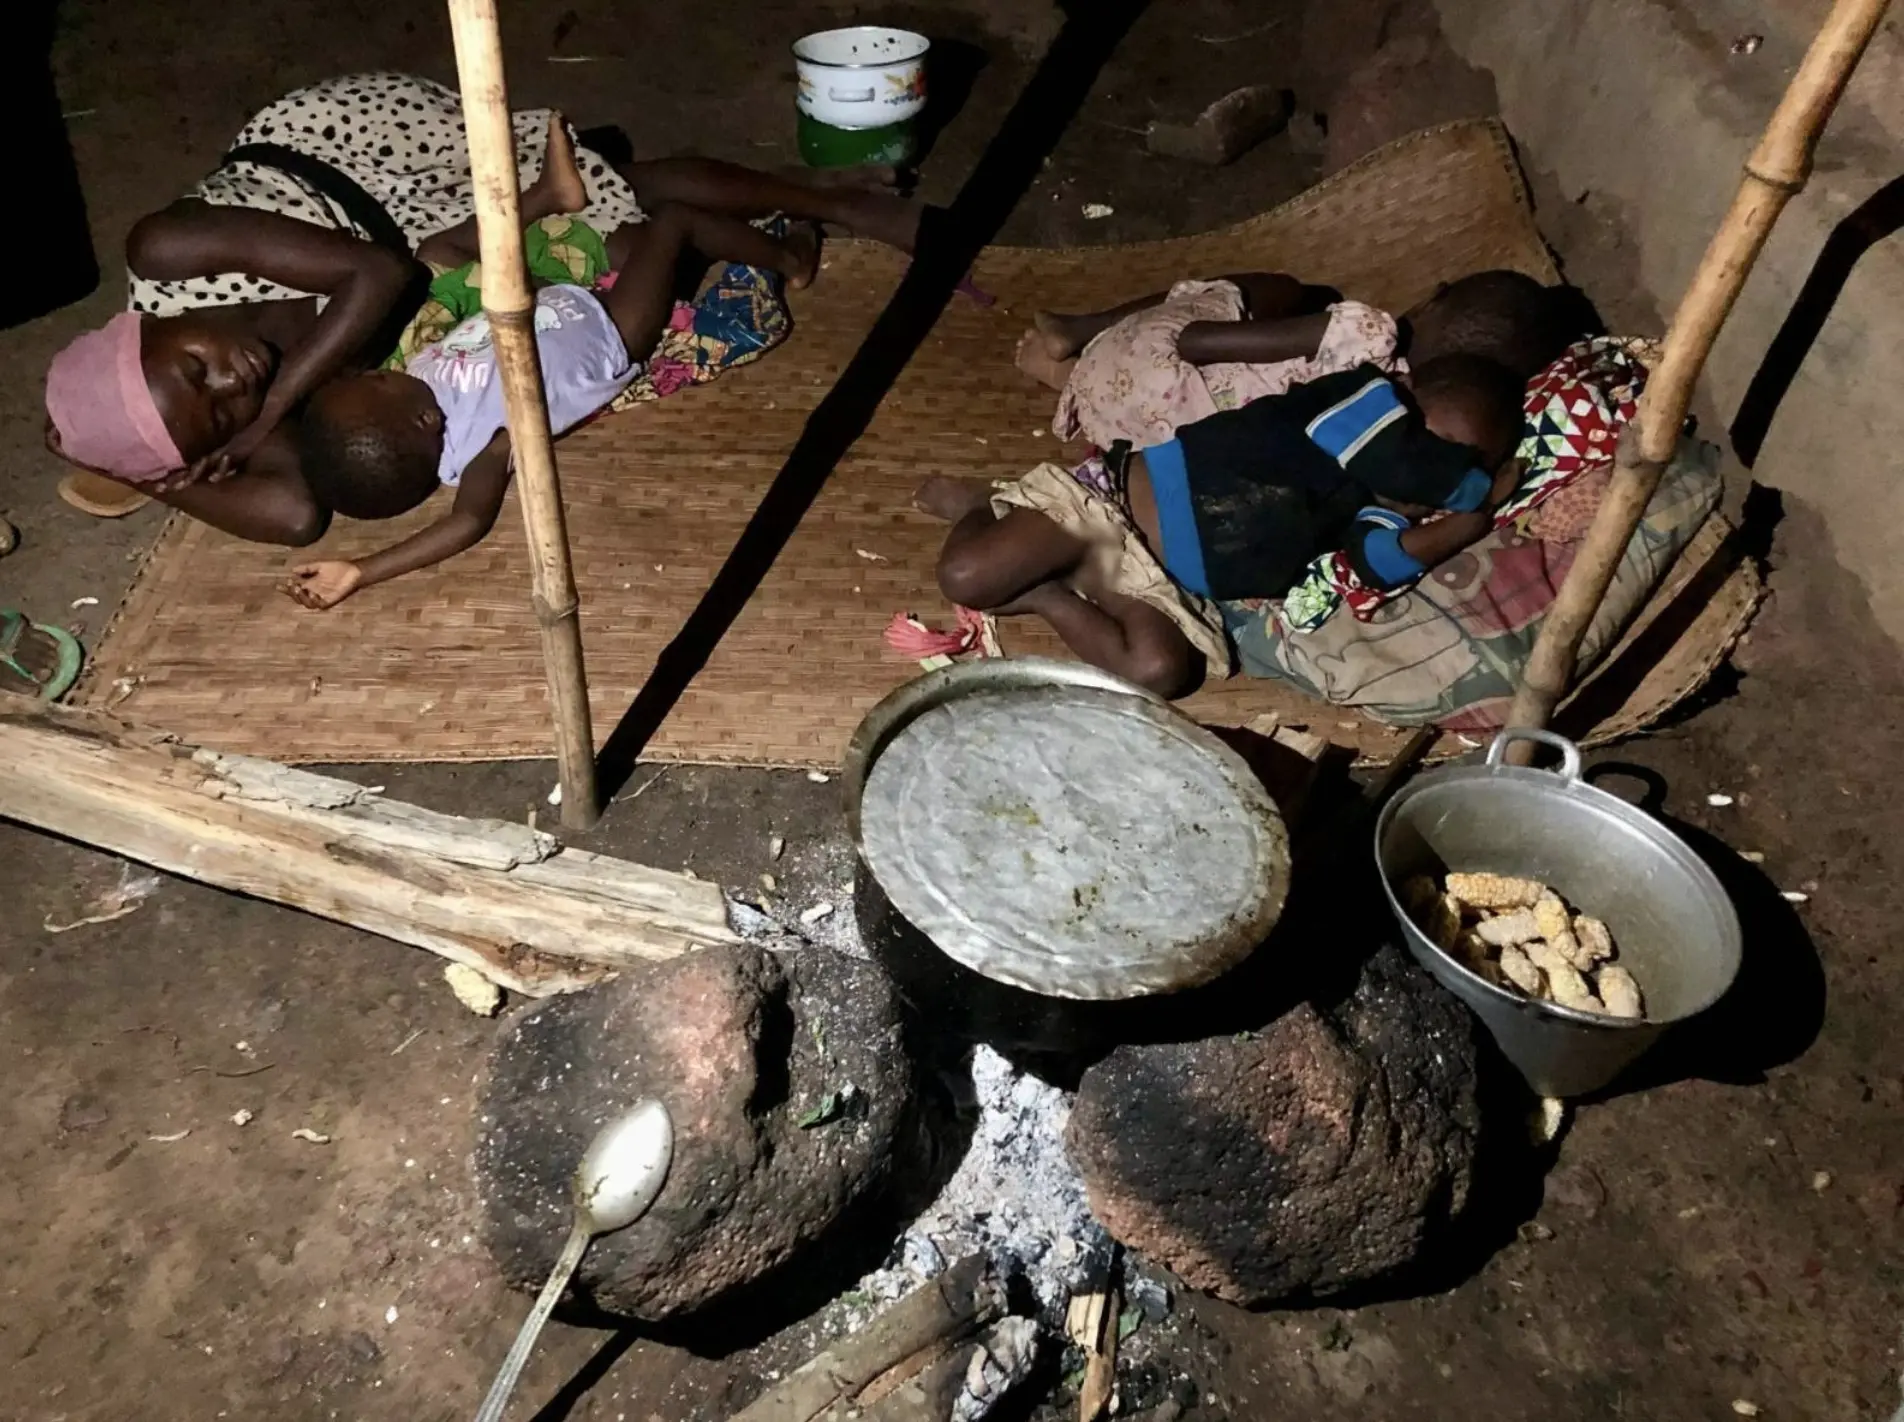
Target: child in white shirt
(376, 445)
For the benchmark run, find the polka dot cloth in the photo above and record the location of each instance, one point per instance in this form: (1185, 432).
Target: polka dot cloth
(401, 138)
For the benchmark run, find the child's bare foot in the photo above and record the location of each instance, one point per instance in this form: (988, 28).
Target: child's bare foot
(559, 188)
(867, 177)
(883, 216)
(1064, 336)
(802, 245)
(952, 499)
(1034, 358)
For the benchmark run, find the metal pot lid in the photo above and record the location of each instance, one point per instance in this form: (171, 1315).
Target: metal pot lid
(1073, 839)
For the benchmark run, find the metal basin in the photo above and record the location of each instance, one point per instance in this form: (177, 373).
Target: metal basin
(1672, 922)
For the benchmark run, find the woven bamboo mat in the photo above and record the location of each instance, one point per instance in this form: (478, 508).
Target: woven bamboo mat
(445, 665)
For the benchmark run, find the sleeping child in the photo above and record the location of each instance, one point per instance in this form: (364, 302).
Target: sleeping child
(376, 445)
(1128, 556)
(1139, 371)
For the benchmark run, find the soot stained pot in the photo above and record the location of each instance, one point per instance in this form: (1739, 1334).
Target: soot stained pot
(1040, 844)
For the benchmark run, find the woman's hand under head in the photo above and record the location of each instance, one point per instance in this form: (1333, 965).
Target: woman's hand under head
(214, 468)
(365, 289)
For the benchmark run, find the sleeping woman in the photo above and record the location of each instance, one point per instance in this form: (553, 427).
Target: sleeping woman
(295, 261)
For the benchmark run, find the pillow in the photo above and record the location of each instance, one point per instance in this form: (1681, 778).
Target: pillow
(1573, 412)
(1449, 652)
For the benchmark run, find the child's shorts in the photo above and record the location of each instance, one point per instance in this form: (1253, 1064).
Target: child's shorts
(1075, 502)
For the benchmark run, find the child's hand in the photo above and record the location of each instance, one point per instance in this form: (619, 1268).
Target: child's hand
(1507, 480)
(322, 585)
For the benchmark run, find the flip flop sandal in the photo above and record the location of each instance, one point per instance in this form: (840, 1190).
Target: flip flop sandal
(101, 497)
(35, 659)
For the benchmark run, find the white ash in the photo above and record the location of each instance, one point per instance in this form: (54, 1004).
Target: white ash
(1004, 1358)
(1016, 1197)
(778, 931)
(811, 901)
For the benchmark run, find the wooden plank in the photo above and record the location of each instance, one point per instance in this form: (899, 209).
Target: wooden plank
(1092, 1320)
(507, 900)
(914, 1333)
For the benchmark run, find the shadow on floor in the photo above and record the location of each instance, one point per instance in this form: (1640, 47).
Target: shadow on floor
(1775, 1007)
(64, 265)
(1878, 217)
(949, 242)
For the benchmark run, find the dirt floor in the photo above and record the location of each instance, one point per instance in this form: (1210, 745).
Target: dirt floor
(1724, 1243)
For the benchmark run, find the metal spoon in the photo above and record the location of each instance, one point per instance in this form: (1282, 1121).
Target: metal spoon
(621, 1173)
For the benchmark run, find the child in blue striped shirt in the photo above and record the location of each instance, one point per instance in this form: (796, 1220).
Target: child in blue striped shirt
(1127, 556)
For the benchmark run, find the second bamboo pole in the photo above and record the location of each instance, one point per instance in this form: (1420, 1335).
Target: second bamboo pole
(510, 306)
(1776, 171)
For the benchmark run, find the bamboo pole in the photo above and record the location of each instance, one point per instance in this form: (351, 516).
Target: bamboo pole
(1776, 171)
(511, 311)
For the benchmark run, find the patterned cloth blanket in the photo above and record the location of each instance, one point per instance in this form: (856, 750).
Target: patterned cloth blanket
(1574, 412)
(1449, 651)
(738, 317)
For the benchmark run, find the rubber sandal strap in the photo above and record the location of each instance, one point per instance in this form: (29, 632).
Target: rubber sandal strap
(13, 627)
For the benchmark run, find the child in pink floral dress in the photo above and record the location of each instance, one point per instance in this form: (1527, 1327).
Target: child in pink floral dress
(1141, 371)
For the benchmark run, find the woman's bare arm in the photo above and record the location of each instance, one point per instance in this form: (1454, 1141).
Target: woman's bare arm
(365, 284)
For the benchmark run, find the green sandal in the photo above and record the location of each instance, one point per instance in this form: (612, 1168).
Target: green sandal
(56, 651)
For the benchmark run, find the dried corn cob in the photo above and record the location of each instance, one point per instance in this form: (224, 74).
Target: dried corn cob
(1550, 915)
(1495, 891)
(1565, 985)
(1517, 969)
(1418, 895)
(1442, 922)
(1620, 993)
(1508, 929)
(1594, 938)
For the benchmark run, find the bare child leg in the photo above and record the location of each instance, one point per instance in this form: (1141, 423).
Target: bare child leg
(1050, 348)
(733, 191)
(1024, 563)
(1124, 635)
(642, 298)
(990, 562)
(558, 189)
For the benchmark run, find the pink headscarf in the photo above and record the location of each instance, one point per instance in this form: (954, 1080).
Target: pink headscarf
(98, 399)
